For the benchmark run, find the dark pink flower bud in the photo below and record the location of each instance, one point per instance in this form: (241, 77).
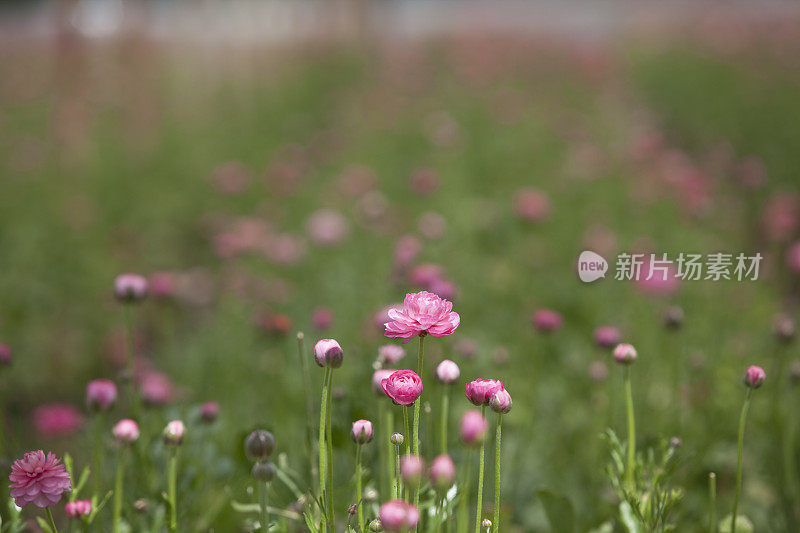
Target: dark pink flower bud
(327, 352)
(397, 439)
(412, 468)
(173, 433)
(377, 377)
(547, 320)
(361, 432)
(101, 394)
(126, 431)
(473, 427)
(398, 516)
(263, 471)
(442, 472)
(209, 412)
(607, 336)
(78, 508)
(322, 318)
(625, 354)
(447, 372)
(5, 354)
(130, 288)
(480, 391)
(403, 386)
(259, 445)
(162, 284)
(38, 478)
(754, 377)
(391, 354)
(500, 402)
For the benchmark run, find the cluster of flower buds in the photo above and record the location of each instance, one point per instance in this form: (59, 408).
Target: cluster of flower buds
(259, 446)
(398, 516)
(78, 508)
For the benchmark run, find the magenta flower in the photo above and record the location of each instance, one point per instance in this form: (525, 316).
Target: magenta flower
(377, 378)
(162, 284)
(57, 419)
(754, 376)
(403, 386)
(423, 313)
(101, 394)
(361, 433)
(447, 372)
(130, 288)
(480, 391)
(547, 320)
(442, 472)
(38, 479)
(473, 427)
(156, 388)
(78, 508)
(607, 336)
(397, 516)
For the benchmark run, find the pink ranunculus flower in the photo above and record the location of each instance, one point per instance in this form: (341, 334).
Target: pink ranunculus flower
(57, 419)
(480, 391)
(101, 394)
(754, 377)
(391, 354)
(156, 388)
(403, 386)
(38, 478)
(398, 516)
(423, 313)
(547, 320)
(607, 336)
(78, 508)
(377, 379)
(473, 427)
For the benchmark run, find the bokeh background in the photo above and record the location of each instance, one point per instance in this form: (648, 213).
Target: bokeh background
(288, 166)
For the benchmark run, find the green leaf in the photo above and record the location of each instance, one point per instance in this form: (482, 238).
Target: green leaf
(628, 518)
(558, 510)
(312, 527)
(605, 527)
(44, 525)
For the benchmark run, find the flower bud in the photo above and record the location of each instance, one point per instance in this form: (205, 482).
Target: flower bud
(754, 377)
(673, 317)
(126, 431)
(403, 386)
(412, 468)
(5, 354)
(78, 508)
(500, 402)
(547, 320)
(675, 442)
(624, 354)
(398, 516)
(375, 526)
(101, 394)
(391, 354)
(263, 471)
(353, 509)
(130, 288)
(173, 433)
(259, 445)
(442, 472)
(377, 378)
(209, 412)
(480, 391)
(328, 353)
(486, 523)
(473, 427)
(141, 506)
(607, 336)
(361, 432)
(370, 495)
(397, 439)
(784, 327)
(447, 372)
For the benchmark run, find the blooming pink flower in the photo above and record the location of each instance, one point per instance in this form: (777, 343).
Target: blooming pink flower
(57, 419)
(480, 391)
(403, 386)
(607, 336)
(38, 479)
(398, 516)
(547, 320)
(377, 377)
(473, 427)
(442, 472)
(101, 394)
(625, 354)
(130, 287)
(126, 431)
(391, 354)
(500, 402)
(156, 388)
(754, 376)
(78, 508)
(423, 313)
(447, 372)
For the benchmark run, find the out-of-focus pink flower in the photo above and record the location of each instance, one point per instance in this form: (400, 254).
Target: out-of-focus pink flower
(600, 239)
(547, 320)
(327, 227)
(598, 371)
(391, 354)
(231, 177)
(442, 129)
(162, 284)
(373, 206)
(442, 472)
(382, 317)
(780, 217)
(38, 478)
(209, 412)
(126, 431)
(406, 250)
(356, 181)
(473, 427)
(101, 394)
(531, 205)
(284, 249)
(278, 324)
(173, 433)
(447, 372)
(424, 181)
(423, 313)
(327, 352)
(321, 318)
(377, 378)
(57, 419)
(625, 354)
(607, 336)
(500, 402)
(398, 516)
(784, 327)
(361, 432)
(402, 386)
(5, 354)
(412, 468)
(78, 508)
(657, 280)
(754, 376)
(752, 173)
(480, 391)
(156, 388)
(130, 287)
(793, 257)
(468, 348)
(432, 225)
(426, 274)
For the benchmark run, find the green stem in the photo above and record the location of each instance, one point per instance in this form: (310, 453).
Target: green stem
(405, 425)
(387, 423)
(418, 402)
(130, 361)
(480, 482)
(445, 417)
(358, 490)
(308, 400)
(712, 503)
(118, 484)
(172, 488)
(464, 489)
(629, 470)
(742, 421)
(396, 471)
(496, 521)
(323, 455)
(97, 452)
(50, 518)
(262, 497)
(329, 438)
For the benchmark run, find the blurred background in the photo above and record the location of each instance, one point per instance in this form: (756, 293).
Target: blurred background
(284, 166)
